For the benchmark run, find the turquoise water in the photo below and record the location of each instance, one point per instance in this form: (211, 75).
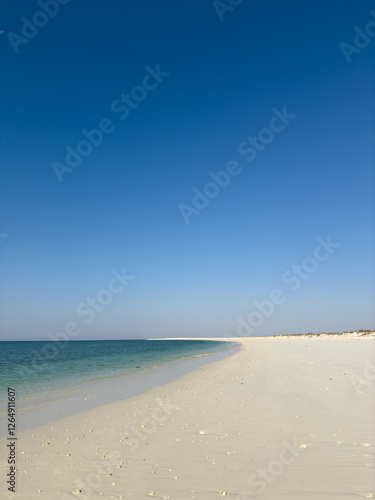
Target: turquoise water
(37, 367)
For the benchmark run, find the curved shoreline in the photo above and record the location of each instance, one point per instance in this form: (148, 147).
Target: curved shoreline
(282, 418)
(59, 403)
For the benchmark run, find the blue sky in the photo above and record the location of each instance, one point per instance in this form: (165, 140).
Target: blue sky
(119, 208)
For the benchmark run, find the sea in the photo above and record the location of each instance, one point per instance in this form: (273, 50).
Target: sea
(56, 379)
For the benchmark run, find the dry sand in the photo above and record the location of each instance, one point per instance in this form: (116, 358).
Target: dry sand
(284, 418)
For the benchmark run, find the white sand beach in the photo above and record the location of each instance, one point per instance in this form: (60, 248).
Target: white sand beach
(283, 418)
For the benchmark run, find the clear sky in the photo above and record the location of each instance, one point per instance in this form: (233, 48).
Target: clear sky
(264, 90)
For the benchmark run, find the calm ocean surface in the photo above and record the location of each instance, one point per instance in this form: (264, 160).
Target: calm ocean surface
(41, 367)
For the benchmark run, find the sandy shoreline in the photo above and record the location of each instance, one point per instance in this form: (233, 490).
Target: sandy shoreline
(289, 418)
(55, 404)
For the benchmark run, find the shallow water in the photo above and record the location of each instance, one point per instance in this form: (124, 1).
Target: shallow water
(83, 374)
